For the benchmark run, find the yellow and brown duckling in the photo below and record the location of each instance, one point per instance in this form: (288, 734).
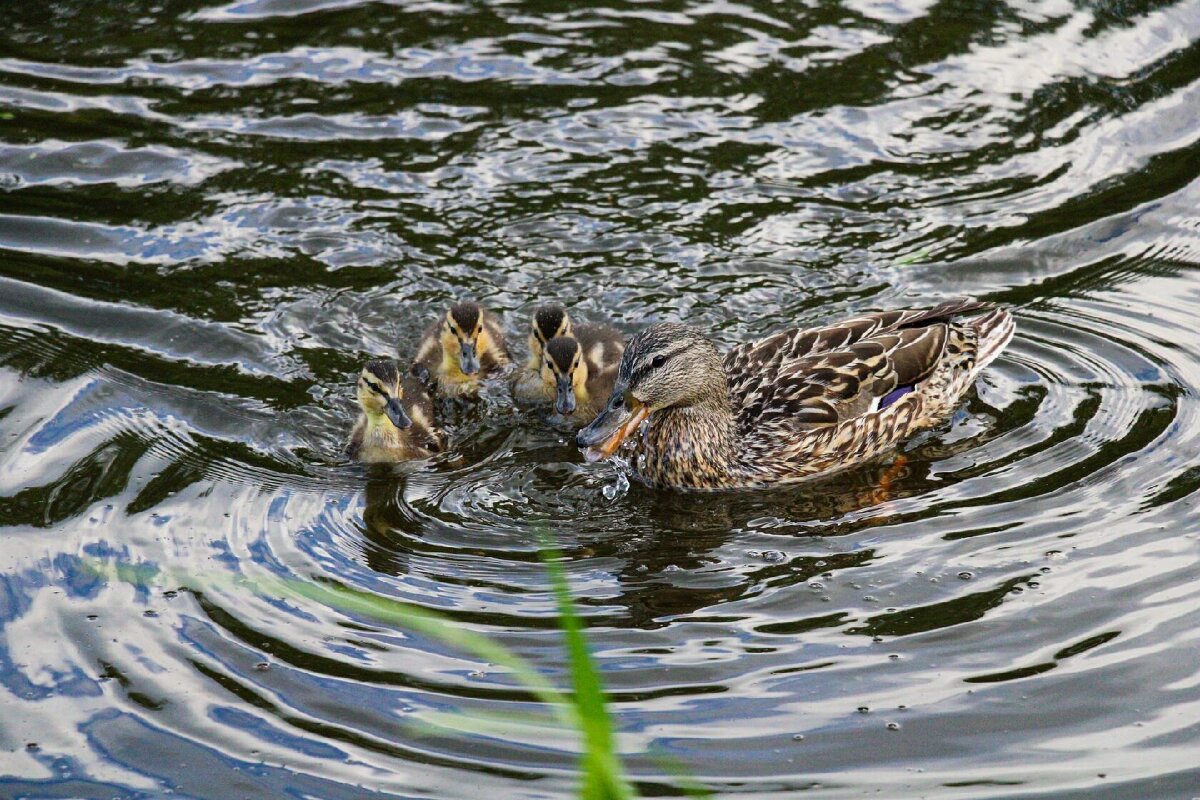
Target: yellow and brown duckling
(794, 405)
(396, 423)
(571, 367)
(547, 322)
(460, 349)
(580, 371)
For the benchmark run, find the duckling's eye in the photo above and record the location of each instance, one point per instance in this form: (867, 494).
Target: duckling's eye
(658, 361)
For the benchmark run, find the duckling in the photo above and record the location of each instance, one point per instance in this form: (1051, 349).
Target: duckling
(794, 405)
(528, 385)
(396, 423)
(580, 370)
(461, 349)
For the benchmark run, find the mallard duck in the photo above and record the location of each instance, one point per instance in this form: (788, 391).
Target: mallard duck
(460, 349)
(396, 422)
(529, 388)
(794, 405)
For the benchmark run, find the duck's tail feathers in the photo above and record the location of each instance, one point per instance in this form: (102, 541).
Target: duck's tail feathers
(993, 331)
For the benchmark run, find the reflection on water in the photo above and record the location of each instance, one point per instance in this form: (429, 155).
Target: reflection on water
(210, 215)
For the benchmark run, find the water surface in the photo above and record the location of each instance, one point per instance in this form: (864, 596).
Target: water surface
(211, 215)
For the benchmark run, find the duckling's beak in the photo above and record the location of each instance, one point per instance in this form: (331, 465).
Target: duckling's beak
(564, 403)
(468, 361)
(395, 412)
(601, 438)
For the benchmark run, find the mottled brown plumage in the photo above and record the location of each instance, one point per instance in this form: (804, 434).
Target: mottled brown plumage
(794, 405)
(460, 350)
(397, 421)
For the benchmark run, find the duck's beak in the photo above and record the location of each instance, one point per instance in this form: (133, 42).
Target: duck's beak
(468, 362)
(395, 412)
(601, 438)
(564, 403)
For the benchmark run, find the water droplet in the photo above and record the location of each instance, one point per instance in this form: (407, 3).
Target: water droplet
(798, 737)
(893, 656)
(869, 598)
(965, 575)
(774, 556)
(754, 553)
(32, 746)
(816, 585)
(149, 613)
(863, 709)
(1056, 555)
(617, 488)
(820, 564)
(262, 666)
(893, 726)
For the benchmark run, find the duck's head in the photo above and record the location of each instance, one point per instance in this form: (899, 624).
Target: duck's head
(380, 392)
(547, 323)
(665, 366)
(465, 339)
(564, 368)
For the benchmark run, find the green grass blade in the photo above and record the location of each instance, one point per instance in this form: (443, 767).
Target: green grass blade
(384, 609)
(435, 626)
(603, 775)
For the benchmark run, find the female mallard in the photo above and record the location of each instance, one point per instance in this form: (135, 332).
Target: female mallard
(570, 366)
(794, 405)
(460, 349)
(396, 423)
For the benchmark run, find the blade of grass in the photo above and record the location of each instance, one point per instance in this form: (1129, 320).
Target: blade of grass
(384, 609)
(435, 626)
(603, 775)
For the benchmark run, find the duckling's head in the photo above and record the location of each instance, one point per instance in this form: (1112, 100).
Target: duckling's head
(564, 368)
(464, 337)
(380, 392)
(665, 366)
(548, 322)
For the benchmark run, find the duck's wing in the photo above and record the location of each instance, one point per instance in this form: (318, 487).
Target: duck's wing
(354, 444)
(498, 356)
(800, 379)
(602, 346)
(420, 409)
(429, 353)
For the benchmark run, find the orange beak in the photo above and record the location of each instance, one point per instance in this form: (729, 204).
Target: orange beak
(625, 428)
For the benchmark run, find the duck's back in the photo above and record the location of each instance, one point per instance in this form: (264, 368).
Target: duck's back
(846, 382)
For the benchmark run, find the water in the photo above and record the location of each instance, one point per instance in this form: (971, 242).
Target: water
(211, 216)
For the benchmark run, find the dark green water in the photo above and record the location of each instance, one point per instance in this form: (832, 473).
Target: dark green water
(210, 216)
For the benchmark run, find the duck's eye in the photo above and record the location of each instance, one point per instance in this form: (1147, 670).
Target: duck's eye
(658, 361)
(618, 402)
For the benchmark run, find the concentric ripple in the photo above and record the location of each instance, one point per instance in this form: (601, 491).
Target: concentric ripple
(211, 215)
